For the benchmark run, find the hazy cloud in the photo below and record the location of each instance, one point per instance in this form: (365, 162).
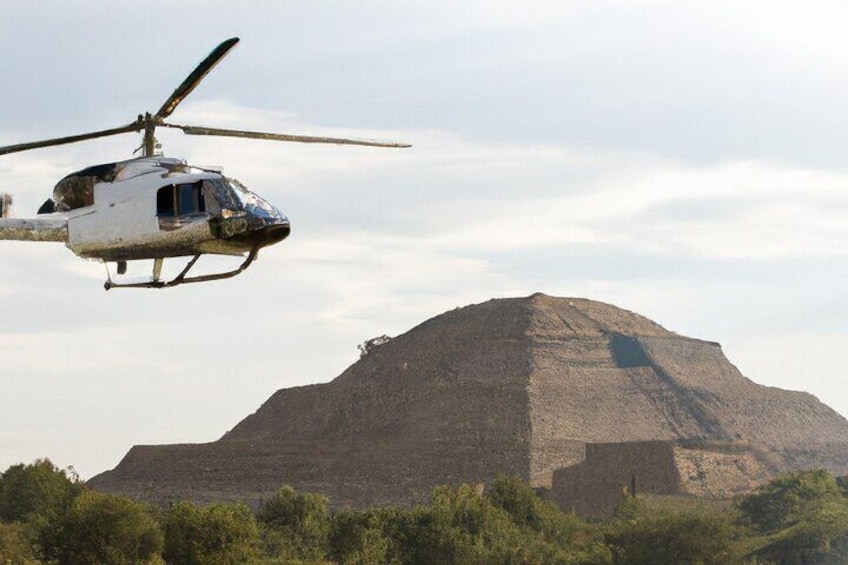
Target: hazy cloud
(680, 160)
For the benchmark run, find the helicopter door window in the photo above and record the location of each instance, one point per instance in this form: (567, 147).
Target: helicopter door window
(191, 199)
(178, 204)
(165, 202)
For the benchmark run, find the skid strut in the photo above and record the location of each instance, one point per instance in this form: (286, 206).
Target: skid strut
(181, 278)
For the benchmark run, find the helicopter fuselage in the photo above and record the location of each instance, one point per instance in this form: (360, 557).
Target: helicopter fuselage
(152, 208)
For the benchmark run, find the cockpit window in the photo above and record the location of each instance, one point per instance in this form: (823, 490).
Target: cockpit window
(77, 189)
(222, 194)
(253, 203)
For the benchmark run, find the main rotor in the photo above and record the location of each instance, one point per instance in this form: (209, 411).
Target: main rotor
(148, 122)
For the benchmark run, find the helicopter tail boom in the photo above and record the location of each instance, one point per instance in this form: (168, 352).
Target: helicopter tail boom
(34, 229)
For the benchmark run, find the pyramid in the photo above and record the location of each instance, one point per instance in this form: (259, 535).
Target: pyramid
(510, 386)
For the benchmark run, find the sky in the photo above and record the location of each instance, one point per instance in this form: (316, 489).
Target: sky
(683, 160)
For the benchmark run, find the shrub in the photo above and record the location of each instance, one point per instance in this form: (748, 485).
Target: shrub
(100, 528)
(297, 526)
(220, 534)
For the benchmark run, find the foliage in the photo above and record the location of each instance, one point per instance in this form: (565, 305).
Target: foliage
(17, 546)
(37, 490)
(99, 528)
(804, 515)
(359, 538)
(821, 539)
(297, 526)
(527, 510)
(643, 535)
(453, 529)
(220, 534)
(576, 541)
(36, 496)
(48, 516)
(462, 525)
(784, 500)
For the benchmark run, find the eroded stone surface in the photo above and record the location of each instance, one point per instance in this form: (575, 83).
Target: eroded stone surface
(516, 386)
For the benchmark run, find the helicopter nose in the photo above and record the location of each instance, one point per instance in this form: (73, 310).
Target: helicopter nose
(275, 232)
(251, 230)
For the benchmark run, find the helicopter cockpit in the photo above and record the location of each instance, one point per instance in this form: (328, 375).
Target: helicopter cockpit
(243, 214)
(182, 203)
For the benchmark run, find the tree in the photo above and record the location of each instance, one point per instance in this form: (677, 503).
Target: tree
(106, 529)
(641, 535)
(804, 515)
(459, 526)
(37, 490)
(548, 534)
(819, 537)
(784, 500)
(220, 534)
(358, 538)
(526, 509)
(17, 545)
(297, 526)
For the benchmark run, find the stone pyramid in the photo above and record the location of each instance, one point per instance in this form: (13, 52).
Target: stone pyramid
(517, 386)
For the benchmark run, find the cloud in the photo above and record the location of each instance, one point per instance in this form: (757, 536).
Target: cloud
(683, 161)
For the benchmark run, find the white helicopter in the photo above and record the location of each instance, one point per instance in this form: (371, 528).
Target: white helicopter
(154, 207)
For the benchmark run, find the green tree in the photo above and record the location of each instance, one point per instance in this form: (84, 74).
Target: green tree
(459, 526)
(219, 534)
(526, 509)
(785, 500)
(38, 490)
(296, 526)
(109, 530)
(565, 537)
(36, 496)
(820, 537)
(358, 538)
(641, 535)
(17, 546)
(804, 516)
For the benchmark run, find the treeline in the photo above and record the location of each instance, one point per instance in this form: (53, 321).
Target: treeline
(48, 516)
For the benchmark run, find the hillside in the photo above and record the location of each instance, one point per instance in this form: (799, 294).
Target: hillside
(515, 386)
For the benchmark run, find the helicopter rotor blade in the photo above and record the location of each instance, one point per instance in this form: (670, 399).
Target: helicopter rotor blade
(194, 130)
(193, 79)
(135, 126)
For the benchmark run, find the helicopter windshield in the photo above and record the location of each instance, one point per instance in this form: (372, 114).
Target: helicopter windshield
(253, 203)
(222, 196)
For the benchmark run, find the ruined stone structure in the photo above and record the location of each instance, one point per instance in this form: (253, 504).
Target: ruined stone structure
(516, 386)
(611, 471)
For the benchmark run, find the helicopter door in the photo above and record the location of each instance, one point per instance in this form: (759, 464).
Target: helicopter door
(180, 204)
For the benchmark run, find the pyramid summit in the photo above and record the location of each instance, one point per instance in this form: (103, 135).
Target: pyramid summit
(541, 387)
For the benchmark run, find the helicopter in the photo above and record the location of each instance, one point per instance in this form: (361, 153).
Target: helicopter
(157, 207)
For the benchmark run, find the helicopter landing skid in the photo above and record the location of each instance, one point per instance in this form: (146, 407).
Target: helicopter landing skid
(181, 278)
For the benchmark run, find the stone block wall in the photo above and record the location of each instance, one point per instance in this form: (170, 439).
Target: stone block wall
(596, 486)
